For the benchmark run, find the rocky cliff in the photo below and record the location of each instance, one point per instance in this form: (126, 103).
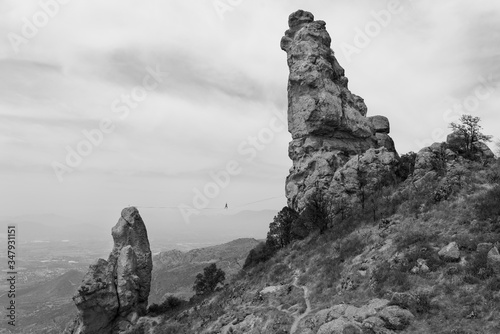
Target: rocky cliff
(328, 123)
(114, 293)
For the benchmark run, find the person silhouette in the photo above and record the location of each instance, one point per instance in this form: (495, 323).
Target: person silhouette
(225, 206)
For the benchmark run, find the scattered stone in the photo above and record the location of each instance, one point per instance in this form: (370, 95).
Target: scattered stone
(450, 252)
(421, 267)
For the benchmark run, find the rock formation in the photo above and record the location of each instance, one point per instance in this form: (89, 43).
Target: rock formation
(327, 122)
(114, 293)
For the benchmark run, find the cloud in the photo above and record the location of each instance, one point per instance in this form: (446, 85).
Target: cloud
(226, 80)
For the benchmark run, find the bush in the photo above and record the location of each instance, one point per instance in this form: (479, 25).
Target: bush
(413, 237)
(487, 206)
(478, 266)
(317, 213)
(385, 276)
(280, 230)
(406, 166)
(207, 282)
(422, 251)
(261, 253)
(494, 284)
(171, 303)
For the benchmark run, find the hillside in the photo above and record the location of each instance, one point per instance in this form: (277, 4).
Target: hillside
(425, 265)
(174, 271)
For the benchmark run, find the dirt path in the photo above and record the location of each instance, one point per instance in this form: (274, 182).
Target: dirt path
(298, 317)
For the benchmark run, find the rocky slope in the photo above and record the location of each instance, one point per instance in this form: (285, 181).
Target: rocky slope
(114, 293)
(328, 123)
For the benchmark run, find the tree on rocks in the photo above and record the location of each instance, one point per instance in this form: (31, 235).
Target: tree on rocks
(207, 282)
(468, 132)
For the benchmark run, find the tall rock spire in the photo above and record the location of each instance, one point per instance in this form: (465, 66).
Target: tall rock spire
(327, 122)
(114, 293)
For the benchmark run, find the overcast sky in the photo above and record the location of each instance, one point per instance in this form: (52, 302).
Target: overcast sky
(178, 89)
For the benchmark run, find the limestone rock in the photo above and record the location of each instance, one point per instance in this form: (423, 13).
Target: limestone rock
(450, 252)
(380, 124)
(340, 326)
(396, 317)
(368, 168)
(327, 122)
(494, 260)
(114, 293)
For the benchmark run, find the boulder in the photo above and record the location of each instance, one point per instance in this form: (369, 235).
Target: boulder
(396, 317)
(380, 124)
(450, 252)
(340, 326)
(114, 293)
(327, 122)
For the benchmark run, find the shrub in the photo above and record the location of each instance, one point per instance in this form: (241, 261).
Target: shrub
(207, 282)
(169, 304)
(486, 205)
(261, 253)
(478, 266)
(393, 278)
(350, 247)
(317, 212)
(406, 165)
(494, 284)
(280, 230)
(422, 251)
(413, 237)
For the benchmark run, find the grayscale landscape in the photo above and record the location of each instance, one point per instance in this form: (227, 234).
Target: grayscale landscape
(250, 167)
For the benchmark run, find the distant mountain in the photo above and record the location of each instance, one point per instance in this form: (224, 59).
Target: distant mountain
(215, 229)
(174, 271)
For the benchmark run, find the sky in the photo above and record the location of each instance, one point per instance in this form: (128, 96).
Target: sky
(106, 104)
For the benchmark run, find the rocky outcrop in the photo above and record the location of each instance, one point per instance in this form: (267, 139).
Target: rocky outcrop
(114, 293)
(327, 122)
(480, 150)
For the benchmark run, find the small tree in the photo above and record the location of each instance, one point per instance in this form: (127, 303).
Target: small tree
(470, 132)
(406, 165)
(207, 282)
(280, 230)
(317, 212)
